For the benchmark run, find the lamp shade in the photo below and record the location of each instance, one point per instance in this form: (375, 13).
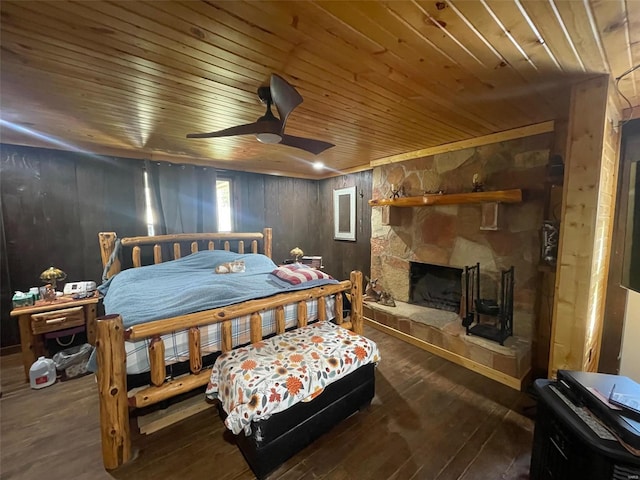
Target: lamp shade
(296, 253)
(52, 275)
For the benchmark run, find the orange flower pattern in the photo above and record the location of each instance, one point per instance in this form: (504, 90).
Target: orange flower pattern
(249, 364)
(295, 366)
(293, 385)
(360, 353)
(296, 358)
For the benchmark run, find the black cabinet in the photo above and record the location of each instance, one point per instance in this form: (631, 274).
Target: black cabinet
(568, 444)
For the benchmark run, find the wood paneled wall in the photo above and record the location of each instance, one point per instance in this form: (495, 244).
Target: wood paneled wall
(288, 205)
(53, 205)
(9, 329)
(340, 257)
(55, 202)
(301, 215)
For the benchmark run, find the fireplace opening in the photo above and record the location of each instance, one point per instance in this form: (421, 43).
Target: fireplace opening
(435, 286)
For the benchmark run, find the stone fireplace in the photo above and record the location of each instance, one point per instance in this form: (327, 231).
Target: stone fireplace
(435, 286)
(450, 237)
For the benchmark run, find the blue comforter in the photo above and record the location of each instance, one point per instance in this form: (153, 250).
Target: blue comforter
(190, 284)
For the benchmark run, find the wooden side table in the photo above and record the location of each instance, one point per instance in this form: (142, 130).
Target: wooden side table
(45, 317)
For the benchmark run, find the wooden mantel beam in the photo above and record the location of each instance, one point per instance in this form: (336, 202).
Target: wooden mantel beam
(499, 196)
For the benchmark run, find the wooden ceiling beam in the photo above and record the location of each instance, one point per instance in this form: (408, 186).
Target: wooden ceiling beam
(512, 134)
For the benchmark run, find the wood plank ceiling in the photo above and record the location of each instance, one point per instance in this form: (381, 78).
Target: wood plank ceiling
(378, 78)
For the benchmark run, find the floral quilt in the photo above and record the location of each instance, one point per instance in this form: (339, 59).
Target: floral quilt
(256, 381)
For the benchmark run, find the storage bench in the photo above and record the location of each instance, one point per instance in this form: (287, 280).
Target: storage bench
(284, 434)
(281, 394)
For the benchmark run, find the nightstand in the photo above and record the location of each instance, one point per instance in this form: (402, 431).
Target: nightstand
(45, 317)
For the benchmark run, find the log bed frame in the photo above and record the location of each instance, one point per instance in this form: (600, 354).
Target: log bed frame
(116, 401)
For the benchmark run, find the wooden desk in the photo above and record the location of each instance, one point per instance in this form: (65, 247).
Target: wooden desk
(44, 317)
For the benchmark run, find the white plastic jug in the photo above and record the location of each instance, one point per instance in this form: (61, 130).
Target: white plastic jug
(42, 373)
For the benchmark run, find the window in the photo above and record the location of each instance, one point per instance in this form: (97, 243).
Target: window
(225, 211)
(147, 206)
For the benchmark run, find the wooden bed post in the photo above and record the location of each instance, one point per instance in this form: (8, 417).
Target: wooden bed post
(112, 389)
(267, 232)
(357, 322)
(107, 242)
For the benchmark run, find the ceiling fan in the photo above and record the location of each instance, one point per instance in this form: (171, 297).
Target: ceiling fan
(268, 128)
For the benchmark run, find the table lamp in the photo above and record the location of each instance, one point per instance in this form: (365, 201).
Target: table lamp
(296, 253)
(52, 275)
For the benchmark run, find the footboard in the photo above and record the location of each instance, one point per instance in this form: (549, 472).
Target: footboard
(115, 400)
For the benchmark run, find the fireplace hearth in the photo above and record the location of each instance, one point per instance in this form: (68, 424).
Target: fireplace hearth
(435, 286)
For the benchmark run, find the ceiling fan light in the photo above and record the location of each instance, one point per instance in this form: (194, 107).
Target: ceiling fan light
(268, 137)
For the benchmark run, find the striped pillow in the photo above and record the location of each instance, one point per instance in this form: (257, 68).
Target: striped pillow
(297, 273)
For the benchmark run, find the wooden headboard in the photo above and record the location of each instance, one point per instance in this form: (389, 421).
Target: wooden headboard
(211, 241)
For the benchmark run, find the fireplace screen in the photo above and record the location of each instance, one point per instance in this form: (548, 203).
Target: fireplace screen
(435, 286)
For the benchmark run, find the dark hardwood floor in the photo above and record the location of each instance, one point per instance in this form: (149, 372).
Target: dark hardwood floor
(430, 419)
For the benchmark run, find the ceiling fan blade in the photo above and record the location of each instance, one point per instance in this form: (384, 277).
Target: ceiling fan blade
(247, 129)
(284, 97)
(308, 144)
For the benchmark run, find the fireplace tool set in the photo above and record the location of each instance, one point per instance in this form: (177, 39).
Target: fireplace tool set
(488, 318)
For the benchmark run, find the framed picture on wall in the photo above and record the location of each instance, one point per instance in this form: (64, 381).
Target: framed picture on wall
(344, 214)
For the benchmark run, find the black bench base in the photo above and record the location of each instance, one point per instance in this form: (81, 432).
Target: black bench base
(284, 434)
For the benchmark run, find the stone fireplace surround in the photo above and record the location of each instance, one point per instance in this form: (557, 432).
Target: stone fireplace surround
(451, 236)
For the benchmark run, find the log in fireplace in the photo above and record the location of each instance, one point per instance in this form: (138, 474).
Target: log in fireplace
(435, 286)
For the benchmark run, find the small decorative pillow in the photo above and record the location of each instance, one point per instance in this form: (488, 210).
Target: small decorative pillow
(297, 273)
